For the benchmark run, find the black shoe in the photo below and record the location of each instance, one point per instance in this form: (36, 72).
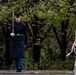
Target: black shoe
(19, 69)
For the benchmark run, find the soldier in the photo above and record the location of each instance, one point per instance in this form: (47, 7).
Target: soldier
(18, 42)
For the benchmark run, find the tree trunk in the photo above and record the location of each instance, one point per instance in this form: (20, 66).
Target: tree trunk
(1, 58)
(36, 53)
(64, 26)
(63, 42)
(7, 61)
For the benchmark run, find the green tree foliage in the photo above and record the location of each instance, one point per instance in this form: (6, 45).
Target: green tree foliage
(51, 26)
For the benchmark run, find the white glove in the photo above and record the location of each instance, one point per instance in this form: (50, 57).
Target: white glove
(68, 54)
(12, 34)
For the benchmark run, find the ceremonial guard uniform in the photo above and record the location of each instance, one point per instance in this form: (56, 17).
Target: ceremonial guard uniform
(18, 42)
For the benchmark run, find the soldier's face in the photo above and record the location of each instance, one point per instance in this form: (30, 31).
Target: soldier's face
(17, 19)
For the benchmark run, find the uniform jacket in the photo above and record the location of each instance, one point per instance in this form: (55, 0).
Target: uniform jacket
(18, 42)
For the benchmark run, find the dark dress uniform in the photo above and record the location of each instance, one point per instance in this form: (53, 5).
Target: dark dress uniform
(18, 42)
